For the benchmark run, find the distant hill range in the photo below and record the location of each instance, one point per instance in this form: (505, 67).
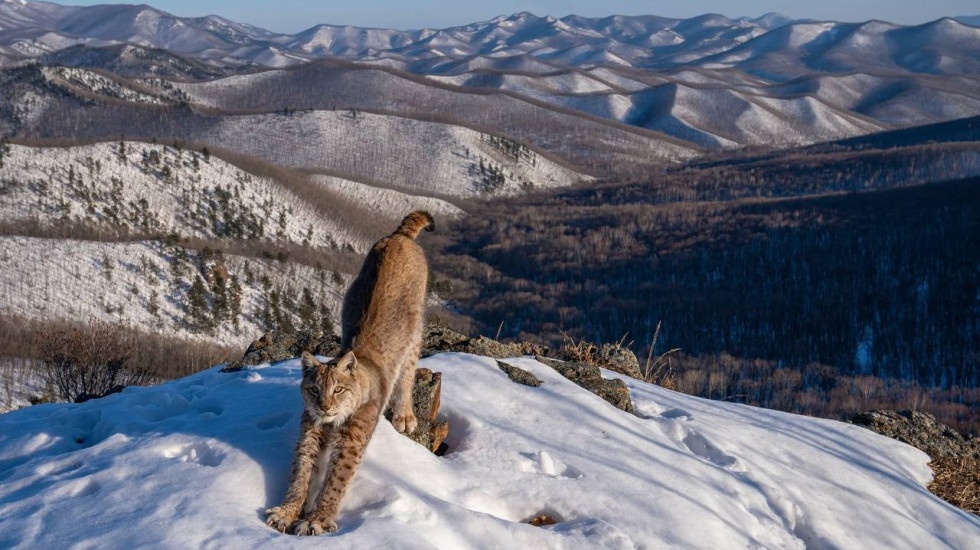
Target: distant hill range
(774, 46)
(671, 88)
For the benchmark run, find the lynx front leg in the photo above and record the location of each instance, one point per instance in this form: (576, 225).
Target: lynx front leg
(311, 440)
(404, 419)
(353, 440)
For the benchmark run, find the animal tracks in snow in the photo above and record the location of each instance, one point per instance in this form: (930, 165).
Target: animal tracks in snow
(672, 422)
(699, 445)
(544, 464)
(196, 453)
(274, 421)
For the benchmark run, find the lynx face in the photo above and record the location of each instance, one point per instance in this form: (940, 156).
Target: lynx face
(330, 391)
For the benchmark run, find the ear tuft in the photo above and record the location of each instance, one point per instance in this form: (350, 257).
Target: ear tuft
(308, 360)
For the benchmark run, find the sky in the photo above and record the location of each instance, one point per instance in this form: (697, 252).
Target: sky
(292, 16)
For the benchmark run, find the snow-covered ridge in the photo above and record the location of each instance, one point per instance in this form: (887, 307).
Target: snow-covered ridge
(635, 41)
(417, 156)
(196, 461)
(95, 83)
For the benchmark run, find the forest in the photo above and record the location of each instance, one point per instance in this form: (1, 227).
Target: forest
(836, 261)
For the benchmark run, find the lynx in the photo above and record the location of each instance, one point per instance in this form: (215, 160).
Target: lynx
(344, 398)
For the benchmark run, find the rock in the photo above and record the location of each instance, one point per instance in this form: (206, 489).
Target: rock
(621, 360)
(437, 339)
(588, 376)
(275, 346)
(426, 398)
(542, 520)
(426, 395)
(328, 346)
(955, 459)
(920, 430)
(519, 375)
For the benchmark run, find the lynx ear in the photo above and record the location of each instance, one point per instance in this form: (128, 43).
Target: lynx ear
(349, 361)
(309, 362)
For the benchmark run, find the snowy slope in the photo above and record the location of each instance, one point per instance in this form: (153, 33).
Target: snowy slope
(94, 183)
(137, 285)
(419, 156)
(387, 203)
(193, 463)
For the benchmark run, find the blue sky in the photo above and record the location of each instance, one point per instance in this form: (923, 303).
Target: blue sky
(295, 15)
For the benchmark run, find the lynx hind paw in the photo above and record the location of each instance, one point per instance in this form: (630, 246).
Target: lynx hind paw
(279, 519)
(313, 528)
(405, 423)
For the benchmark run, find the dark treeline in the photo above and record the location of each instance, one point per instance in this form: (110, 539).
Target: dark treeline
(882, 283)
(819, 390)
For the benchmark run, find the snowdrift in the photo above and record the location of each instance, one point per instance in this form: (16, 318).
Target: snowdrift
(194, 463)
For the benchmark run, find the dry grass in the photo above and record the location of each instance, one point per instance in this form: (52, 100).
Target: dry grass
(957, 481)
(581, 351)
(660, 372)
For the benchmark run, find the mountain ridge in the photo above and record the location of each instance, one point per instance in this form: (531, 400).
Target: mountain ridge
(685, 42)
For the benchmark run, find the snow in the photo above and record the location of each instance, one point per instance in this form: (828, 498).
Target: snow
(38, 183)
(65, 279)
(20, 381)
(93, 82)
(423, 157)
(388, 203)
(194, 463)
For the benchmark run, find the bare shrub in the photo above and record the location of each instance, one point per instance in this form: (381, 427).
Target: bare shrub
(162, 357)
(87, 363)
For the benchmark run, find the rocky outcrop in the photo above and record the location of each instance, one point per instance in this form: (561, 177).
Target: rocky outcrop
(437, 339)
(620, 359)
(955, 459)
(519, 375)
(590, 378)
(426, 397)
(920, 430)
(275, 346)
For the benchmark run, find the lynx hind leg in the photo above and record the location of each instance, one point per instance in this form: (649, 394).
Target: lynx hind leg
(404, 419)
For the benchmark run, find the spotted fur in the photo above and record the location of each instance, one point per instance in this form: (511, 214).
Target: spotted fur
(344, 398)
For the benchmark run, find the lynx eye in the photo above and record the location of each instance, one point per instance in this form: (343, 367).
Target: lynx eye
(313, 390)
(338, 389)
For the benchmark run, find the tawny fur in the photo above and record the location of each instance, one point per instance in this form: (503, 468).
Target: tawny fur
(343, 399)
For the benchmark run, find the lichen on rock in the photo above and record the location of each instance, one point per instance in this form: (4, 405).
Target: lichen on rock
(589, 377)
(519, 375)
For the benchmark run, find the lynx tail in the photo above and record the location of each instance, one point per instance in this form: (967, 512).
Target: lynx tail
(414, 223)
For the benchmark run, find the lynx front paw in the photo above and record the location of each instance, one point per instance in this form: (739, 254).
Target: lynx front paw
(280, 519)
(405, 423)
(314, 527)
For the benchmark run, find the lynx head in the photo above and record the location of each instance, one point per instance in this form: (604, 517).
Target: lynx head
(331, 392)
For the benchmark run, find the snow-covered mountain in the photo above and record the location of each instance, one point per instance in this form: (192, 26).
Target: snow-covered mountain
(119, 232)
(196, 461)
(534, 43)
(707, 82)
(972, 20)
